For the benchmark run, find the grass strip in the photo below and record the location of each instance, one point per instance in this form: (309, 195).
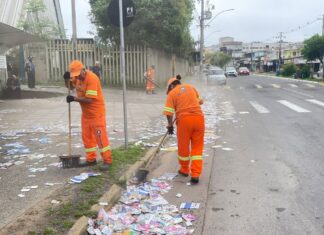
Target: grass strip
(60, 218)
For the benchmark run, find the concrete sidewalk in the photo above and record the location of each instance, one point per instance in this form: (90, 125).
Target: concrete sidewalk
(33, 133)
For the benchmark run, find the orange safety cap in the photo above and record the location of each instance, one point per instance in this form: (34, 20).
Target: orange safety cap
(75, 68)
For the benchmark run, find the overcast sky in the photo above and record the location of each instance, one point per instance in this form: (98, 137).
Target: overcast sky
(252, 20)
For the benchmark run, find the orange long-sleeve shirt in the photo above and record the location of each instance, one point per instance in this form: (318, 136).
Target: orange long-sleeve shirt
(90, 88)
(182, 101)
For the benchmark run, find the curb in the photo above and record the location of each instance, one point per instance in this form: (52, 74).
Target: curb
(114, 192)
(290, 79)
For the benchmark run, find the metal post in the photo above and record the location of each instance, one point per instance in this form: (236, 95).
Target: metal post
(280, 41)
(202, 25)
(323, 57)
(74, 31)
(323, 26)
(122, 71)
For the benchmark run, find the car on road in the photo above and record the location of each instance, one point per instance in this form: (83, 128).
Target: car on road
(216, 76)
(243, 71)
(230, 72)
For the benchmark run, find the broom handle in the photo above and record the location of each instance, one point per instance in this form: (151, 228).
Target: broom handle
(69, 112)
(159, 146)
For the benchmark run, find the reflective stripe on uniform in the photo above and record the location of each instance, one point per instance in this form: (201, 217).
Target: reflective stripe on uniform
(184, 158)
(91, 92)
(199, 157)
(170, 110)
(88, 150)
(105, 149)
(200, 98)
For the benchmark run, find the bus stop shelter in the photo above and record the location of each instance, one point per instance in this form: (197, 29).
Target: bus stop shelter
(9, 38)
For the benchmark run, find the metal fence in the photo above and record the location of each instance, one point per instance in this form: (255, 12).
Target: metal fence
(59, 55)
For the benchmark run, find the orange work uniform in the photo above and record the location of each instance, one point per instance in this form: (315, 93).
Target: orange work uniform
(93, 120)
(184, 101)
(150, 80)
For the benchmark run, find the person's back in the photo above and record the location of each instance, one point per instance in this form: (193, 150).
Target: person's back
(186, 101)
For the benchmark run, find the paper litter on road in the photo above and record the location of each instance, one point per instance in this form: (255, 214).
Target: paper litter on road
(178, 195)
(83, 176)
(55, 202)
(142, 209)
(51, 184)
(227, 149)
(6, 165)
(168, 176)
(217, 146)
(169, 149)
(103, 203)
(189, 205)
(40, 169)
(21, 195)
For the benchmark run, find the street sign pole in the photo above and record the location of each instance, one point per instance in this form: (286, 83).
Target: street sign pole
(122, 71)
(74, 31)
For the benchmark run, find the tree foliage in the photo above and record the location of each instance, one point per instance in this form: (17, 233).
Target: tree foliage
(162, 24)
(33, 21)
(289, 69)
(314, 48)
(219, 59)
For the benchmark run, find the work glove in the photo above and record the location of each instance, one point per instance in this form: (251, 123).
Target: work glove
(69, 98)
(170, 130)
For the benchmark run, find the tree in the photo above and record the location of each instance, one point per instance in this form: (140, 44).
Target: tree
(219, 59)
(162, 24)
(314, 49)
(35, 23)
(289, 69)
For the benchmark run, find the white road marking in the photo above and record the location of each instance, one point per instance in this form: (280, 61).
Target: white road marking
(320, 103)
(258, 86)
(310, 85)
(293, 85)
(259, 107)
(275, 85)
(297, 92)
(292, 106)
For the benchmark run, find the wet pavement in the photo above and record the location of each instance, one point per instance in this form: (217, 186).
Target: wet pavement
(33, 133)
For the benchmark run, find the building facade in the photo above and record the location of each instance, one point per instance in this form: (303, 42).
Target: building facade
(11, 12)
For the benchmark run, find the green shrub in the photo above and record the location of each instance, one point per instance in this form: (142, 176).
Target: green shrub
(289, 69)
(305, 71)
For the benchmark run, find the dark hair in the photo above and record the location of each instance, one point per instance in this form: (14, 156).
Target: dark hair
(66, 75)
(178, 77)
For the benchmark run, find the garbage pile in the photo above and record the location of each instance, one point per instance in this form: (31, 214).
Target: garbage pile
(143, 210)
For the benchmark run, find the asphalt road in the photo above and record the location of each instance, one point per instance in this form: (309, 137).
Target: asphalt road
(267, 174)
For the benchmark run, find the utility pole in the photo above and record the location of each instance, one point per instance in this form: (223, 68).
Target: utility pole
(74, 31)
(122, 71)
(323, 26)
(202, 25)
(323, 36)
(280, 41)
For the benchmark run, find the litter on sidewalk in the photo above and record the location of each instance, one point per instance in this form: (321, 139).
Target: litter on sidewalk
(82, 177)
(142, 209)
(189, 205)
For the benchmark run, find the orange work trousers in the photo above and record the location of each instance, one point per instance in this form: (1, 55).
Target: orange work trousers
(149, 84)
(190, 133)
(94, 134)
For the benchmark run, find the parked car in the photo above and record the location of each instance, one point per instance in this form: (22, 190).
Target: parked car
(230, 72)
(243, 71)
(216, 76)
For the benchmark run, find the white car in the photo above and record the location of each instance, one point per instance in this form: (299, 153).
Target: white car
(216, 75)
(230, 72)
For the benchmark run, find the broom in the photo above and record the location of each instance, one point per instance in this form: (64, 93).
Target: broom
(69, 161)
